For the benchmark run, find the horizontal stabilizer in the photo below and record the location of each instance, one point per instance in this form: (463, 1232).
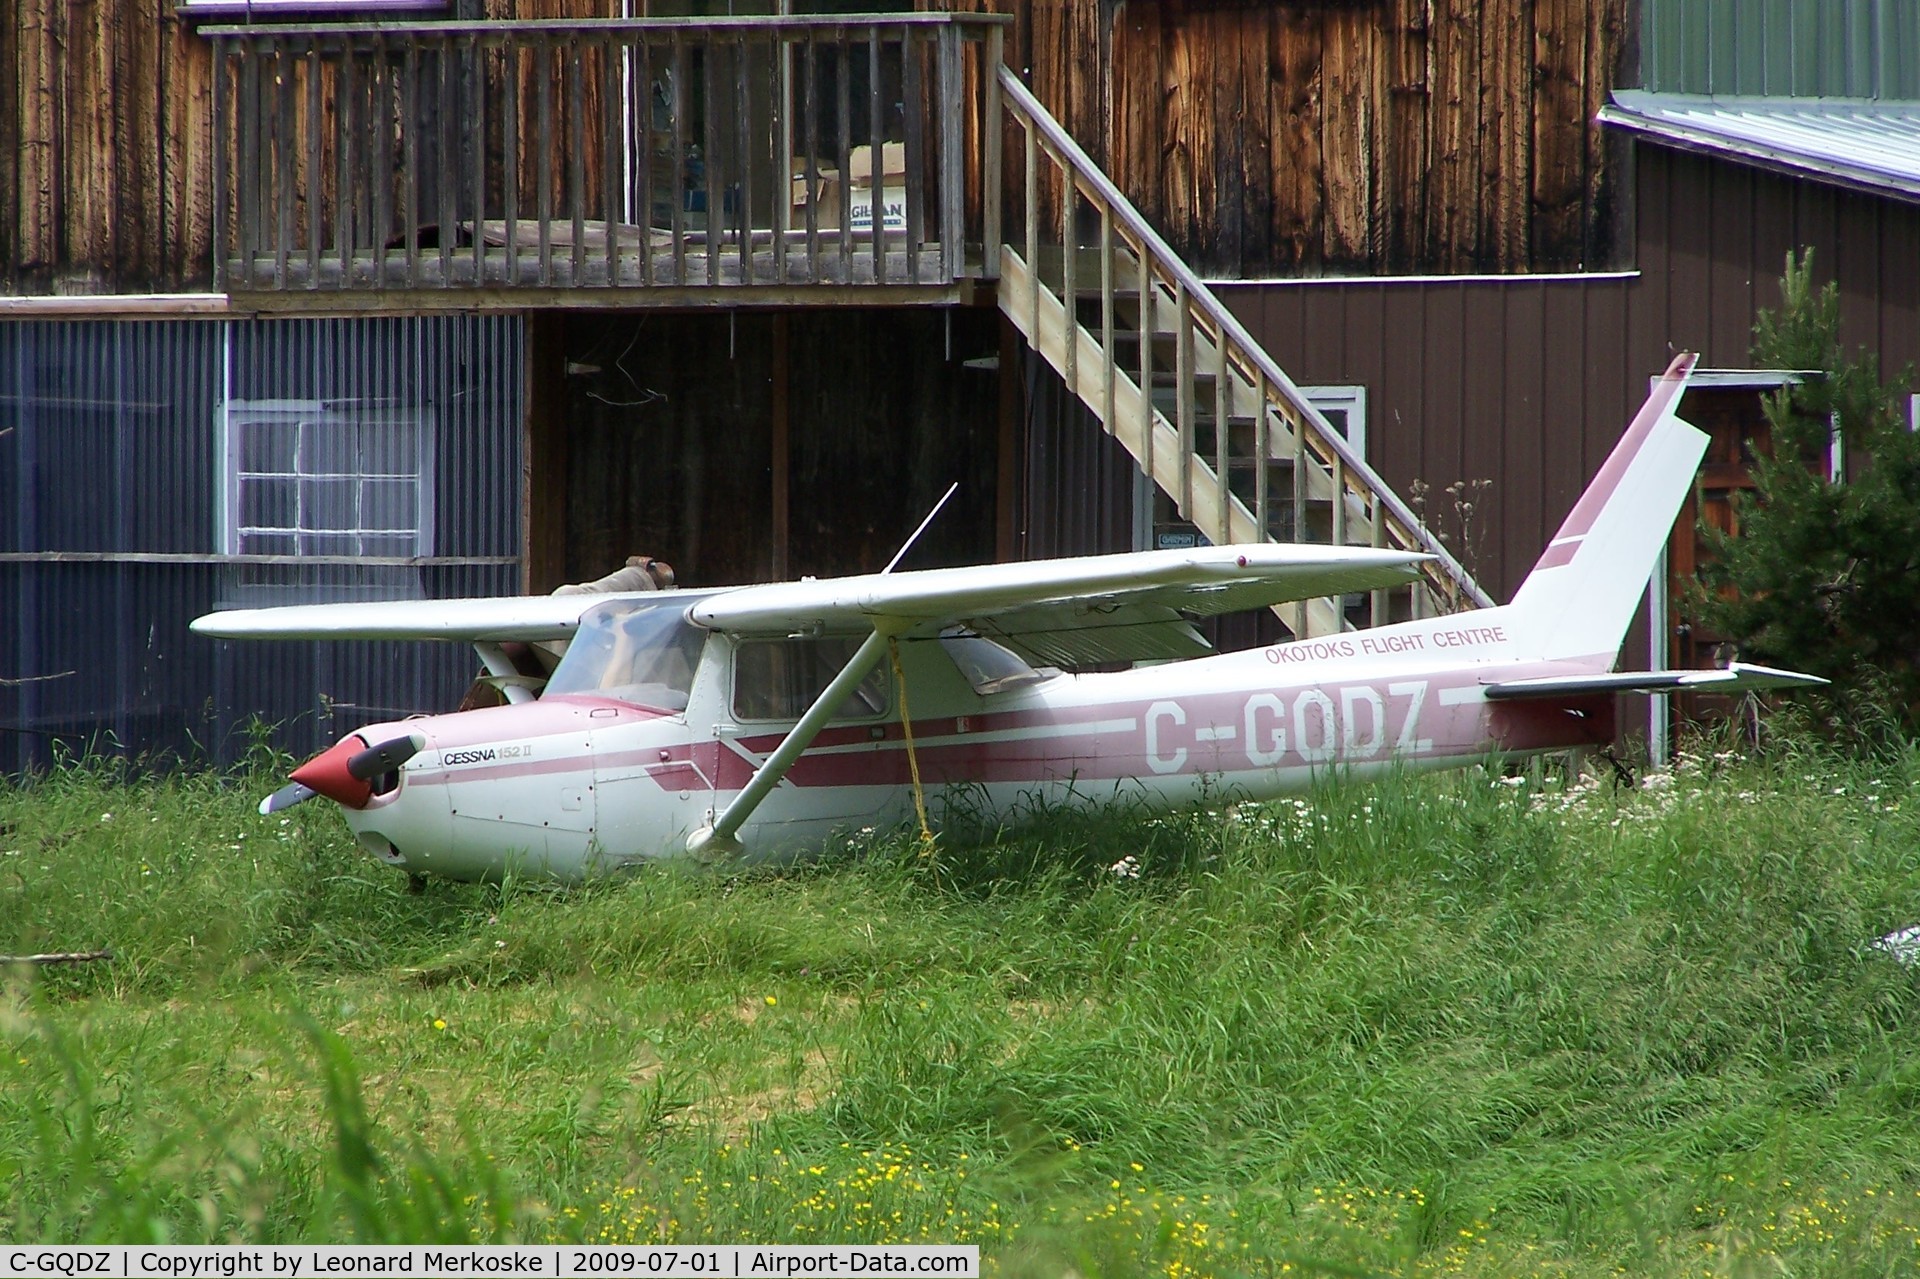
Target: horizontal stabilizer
(1738, 677)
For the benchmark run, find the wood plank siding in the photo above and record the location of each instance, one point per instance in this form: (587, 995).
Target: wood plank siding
(1311, 137)
(763, 444)
(106, 143)
(1318, 138)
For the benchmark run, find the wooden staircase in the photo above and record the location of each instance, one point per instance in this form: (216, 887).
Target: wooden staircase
(1218, 428)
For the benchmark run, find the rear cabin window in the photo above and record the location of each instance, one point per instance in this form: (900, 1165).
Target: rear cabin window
(780, 679)
(989, 666)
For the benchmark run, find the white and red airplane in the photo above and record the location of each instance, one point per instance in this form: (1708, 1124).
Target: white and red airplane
(762, 720)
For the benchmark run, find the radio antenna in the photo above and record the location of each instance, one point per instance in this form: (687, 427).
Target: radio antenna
(915, 536)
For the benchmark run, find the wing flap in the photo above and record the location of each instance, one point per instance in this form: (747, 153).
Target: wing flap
(1737, 677)
(1082, 634)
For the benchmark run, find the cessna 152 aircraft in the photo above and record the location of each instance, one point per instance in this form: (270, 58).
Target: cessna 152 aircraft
(760, 720)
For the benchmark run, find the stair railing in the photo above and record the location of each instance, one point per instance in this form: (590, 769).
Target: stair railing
(1046, 205)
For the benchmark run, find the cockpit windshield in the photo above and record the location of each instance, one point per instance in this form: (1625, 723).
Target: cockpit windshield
(636, 651)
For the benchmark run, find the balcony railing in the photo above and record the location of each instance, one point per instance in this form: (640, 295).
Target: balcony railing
(653, 155)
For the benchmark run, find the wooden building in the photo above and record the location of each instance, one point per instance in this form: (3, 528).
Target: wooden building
(1402, 136)
(770, 282)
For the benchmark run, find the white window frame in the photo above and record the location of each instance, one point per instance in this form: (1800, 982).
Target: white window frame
(236, 416)
(1353, 399)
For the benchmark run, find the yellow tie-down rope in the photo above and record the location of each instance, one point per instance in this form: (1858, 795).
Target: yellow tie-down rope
(913, 758)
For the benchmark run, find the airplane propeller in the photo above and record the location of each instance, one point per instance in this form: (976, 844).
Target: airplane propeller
(385, 757)
(343, 773)
(286, 797)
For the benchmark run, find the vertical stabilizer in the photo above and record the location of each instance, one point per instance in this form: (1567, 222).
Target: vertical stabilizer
(1582, 593)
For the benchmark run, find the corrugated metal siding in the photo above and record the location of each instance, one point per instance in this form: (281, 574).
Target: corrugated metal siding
(1795, 48)
(109, 465)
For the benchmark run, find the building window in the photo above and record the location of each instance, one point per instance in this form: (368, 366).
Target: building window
(316, 478)
(1345, 408)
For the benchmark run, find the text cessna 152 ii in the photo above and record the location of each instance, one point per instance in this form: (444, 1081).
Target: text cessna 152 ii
(760, 720)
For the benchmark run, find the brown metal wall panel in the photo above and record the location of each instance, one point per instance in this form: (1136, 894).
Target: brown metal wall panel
(1518, 514)
(1860, 268)
(1730, 218)
(1322, 345)
(1282, 316)
(1564, 421)
(1442, 445)
(1362, 315)
(1470, 516)
(1899, 326)
(1547, 372)
(1816, 214)
(1395, 428)
(1605, 399)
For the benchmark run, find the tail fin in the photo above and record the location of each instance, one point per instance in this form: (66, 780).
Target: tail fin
(1581, 595)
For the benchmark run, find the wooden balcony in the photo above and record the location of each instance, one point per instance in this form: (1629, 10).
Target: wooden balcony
(615, 163)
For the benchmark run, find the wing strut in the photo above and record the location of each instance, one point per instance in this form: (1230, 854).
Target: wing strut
(721, 838)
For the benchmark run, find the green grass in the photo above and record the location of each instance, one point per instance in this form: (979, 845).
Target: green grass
(1454, 1024)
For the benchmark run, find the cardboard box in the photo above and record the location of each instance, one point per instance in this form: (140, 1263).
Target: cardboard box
(827, 192)
(893, 191)
(893, 164)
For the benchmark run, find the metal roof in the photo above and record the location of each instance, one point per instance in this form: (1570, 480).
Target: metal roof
(1783, 48)
(1868, 145)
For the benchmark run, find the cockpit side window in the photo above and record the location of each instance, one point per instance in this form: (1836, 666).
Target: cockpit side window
(989, 666)
(779, 679)
(634, 651)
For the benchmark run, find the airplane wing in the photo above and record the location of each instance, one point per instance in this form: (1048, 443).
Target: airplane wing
(522, 617)
(1062, 612)
(1067, 611)
(1737, 677)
